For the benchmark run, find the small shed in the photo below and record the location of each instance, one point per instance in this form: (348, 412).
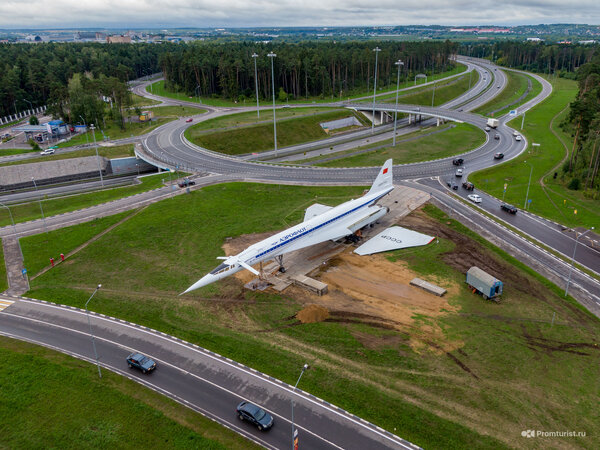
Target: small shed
(483, 282)
(146, 116)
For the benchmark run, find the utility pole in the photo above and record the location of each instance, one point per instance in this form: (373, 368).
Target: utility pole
(398, 63)
(376, 50)
(272, 56)
(97, 157)
(254, 56)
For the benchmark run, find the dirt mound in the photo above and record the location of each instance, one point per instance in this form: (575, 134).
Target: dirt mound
(313, 313)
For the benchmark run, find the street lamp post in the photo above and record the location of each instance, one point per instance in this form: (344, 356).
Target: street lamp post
(197, 92)
(91, 332)
(398, 63)
(376, 50)
(304, 367)
(573, 259)
(528, 184)
(87, 139)
(11, 217)
(433, 93)
(254, 56)
(272, 56)
(30, 105)
(97, 157)
(40, 202)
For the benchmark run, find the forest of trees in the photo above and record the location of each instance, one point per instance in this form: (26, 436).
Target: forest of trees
(36, 75)
(561, 59)
(301, 70)
(584, 162)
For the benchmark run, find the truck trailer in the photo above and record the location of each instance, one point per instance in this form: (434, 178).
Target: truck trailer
(484, 283)
(492, 123)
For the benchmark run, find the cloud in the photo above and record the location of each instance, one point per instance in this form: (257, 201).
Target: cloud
(272, 13)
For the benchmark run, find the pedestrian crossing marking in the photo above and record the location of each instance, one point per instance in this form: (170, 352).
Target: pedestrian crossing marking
(5, 303)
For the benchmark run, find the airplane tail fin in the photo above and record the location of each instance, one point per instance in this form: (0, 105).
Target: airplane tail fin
(385, 179)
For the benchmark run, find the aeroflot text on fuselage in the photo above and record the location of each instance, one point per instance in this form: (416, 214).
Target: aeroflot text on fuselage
(287, 236)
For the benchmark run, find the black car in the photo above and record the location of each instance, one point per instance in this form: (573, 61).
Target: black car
(254, 414)
(509, 208)
(497, 136)
(141, 362)
(186, 183)
(498, 155)
(458, 161)
(468, 185)
(451, 184)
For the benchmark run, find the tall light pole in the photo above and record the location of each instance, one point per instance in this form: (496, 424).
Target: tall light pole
(573, 258)
(87, 139)
(97, 157)
(30, 105)
(304, 367)
(11, 217)
(528, 184)
(254, 56)
(376, 50)
(197, 91)
(398, 63)
(40, 202)
(91, 332)
(272, 56)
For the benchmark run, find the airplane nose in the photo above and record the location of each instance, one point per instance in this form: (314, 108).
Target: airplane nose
(205, 280)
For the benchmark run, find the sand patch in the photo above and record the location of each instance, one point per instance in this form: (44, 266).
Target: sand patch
(312, 314)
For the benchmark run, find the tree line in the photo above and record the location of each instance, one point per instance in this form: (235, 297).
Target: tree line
(584, 118)
(561, 59)
(37, 74)
(300, 70)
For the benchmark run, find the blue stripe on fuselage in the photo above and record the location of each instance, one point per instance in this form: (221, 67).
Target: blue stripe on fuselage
(318, 226)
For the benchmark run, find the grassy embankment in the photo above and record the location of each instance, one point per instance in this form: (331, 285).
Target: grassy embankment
(487, 381)
(31, 211)
(158, 88)
(139, 101)
(417, 146)
(50, 400)
(256, 138)
(555, 201)
(516, 86)
(444, 92)
(117, 151)
(162, 114)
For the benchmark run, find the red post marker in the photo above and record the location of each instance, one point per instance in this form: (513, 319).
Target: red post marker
(62, 257)
(52, 261)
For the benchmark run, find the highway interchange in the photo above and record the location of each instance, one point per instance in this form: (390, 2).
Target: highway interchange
(213, 385)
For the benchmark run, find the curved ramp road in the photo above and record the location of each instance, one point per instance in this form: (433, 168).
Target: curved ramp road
(195, 377)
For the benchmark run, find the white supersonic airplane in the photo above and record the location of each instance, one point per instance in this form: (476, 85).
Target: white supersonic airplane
(321, 223)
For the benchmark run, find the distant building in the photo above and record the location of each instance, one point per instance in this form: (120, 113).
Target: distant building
(535, 39)
(118, 39)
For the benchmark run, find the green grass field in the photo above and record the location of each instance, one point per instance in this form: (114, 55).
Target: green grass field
(257, 138)
(462, 138)
(474, 376)
(50, 400)
(138, 100)
(3, 279)
(31, 211)
(116, 151)
(516, 86)
(158, 88)
(555, 202)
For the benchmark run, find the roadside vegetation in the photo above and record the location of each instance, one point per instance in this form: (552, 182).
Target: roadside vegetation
(115, 151)
(51, 400)
(467, 374)
(139, 101)
(257, 138)
(517, 86)
(423, 145)
(3, 278)
(550, 199)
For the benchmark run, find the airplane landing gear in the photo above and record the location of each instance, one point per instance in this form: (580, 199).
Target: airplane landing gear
(279, 260)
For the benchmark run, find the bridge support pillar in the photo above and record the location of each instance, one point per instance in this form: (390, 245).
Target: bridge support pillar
(438, 122)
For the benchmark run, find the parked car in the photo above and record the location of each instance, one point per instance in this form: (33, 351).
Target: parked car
(474, 198)
(254, 414)
(186, 182)
(5, 136)
(141, 362)
(508, 208)
(497, 136)
(468, 185)
(459, 172)
(48, 151)
(458, 161)
(498, 155)
(517, 138)
(451, 184)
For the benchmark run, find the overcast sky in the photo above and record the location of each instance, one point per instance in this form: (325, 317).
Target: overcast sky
(285, 13)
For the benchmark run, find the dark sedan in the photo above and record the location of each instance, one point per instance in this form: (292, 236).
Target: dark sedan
(254, 414)
(141, 362)
(498, 155)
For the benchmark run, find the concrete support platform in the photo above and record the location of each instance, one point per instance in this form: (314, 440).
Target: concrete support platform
(425, 285)
(311, 284)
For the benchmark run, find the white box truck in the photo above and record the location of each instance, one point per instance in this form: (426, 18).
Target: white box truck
(493, 123)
